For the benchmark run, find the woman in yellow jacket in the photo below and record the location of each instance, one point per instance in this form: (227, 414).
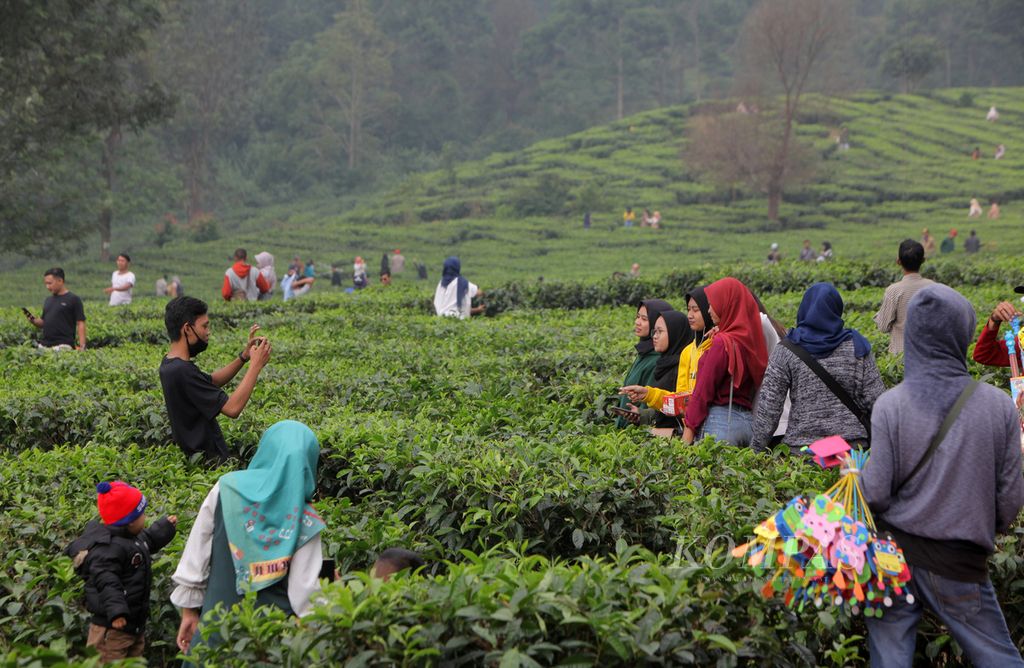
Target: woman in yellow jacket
(698, 314)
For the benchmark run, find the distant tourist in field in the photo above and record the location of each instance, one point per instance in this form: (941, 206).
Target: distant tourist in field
(241, 281)
(698, 317)
(397, 262)
(1000, 151)
(454, 294)
(892, 316)
(992, 115)
(265, 263)
(421, 271)
(741, 108)
(634, 270)
(395, 560)
(975, 210)
(628, 217)
(928, 243)
(976, 153)
(843, 354)
(586, 220)
(826, 251)
(948, 244)
(335, 275)
(194, 399)
(774, 256)
(656, 220)
(299, 280)
(807, 253)
(385, 265)
(174, 288)
(161, 286)
(641, 372)
(115, 558)
(972, 244)
(993, 211)
(359, 278)
(844, 138)
(943, 495)
(730, 372)
(231, 550)
(121, 282)
(63, 315)
(646, 219)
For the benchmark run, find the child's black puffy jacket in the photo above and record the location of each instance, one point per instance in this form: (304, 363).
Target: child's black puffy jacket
(116, 567)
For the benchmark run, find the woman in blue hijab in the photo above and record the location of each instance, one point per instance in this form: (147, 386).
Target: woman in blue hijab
(843, 353)
(454, 294)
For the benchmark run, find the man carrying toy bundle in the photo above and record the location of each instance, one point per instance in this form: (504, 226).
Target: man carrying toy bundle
(944, 476)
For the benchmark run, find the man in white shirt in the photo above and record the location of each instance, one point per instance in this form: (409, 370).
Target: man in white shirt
(121, 282)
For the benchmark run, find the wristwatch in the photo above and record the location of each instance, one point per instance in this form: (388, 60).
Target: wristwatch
(242, 359)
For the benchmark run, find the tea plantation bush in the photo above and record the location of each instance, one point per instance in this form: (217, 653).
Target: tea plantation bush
(551, 537)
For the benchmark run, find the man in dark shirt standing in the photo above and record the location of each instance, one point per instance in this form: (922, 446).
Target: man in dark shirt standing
(63, 315)
(193, 398)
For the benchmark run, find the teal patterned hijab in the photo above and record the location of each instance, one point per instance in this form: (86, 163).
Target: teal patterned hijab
(266, 507)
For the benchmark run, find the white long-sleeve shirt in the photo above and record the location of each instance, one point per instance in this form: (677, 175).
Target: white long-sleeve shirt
(193, 570)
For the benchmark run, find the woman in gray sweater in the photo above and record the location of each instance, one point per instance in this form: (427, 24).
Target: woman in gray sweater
(816, 412)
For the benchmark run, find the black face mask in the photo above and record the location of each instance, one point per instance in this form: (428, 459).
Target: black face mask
(197, 347)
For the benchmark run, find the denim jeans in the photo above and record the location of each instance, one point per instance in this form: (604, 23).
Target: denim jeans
(968, 609)
(735, 429)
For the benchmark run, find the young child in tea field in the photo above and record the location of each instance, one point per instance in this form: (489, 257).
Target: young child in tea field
(114, 556)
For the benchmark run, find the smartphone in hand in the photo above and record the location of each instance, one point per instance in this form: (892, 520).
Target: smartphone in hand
(28, 314)
(620, 411)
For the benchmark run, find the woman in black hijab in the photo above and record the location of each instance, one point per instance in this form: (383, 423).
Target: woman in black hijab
(670, 335)
(642, 370)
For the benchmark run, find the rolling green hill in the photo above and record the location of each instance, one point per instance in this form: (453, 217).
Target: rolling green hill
(518, 215)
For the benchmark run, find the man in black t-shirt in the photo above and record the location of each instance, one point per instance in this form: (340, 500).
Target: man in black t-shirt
(63, 315)
(193, 398)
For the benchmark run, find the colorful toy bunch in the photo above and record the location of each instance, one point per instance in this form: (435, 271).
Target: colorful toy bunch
(1015, 347)
(825, 549)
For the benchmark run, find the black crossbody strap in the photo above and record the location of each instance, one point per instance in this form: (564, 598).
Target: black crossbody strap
(943, 430)
(831, 383)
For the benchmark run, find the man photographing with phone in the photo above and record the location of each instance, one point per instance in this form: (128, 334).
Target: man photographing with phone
(194, 399)
(63, 315)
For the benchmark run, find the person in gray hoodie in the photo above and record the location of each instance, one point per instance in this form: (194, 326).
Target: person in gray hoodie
(946, 517)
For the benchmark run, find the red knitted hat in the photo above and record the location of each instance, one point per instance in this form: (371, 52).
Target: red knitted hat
(119, 503)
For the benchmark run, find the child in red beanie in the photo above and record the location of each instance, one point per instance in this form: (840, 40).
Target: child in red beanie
(114, 556)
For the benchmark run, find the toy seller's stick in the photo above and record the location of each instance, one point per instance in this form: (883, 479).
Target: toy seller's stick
(1011, 349)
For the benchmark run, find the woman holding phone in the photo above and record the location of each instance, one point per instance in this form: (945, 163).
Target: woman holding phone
(642, 369)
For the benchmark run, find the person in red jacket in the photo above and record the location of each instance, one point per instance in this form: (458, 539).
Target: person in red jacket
(242, 282)
(990, 349)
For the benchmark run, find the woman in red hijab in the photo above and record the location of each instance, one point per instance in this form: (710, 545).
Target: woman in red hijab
(731, 370)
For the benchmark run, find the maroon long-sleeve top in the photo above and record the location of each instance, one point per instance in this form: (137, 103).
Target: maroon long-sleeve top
(991, 349)
(712, 387)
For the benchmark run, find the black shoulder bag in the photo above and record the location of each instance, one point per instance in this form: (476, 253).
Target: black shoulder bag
(864, 417)
(954, 413)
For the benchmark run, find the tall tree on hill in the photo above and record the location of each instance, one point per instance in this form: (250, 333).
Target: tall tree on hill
(439, 62)
(211, 53)
(352, 76)
(787, 42)
(911, 61)
(69, 73)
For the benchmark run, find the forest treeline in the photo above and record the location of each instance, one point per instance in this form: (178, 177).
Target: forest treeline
(160, 113)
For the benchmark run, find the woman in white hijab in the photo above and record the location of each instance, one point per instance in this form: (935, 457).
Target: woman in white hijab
(265, 263)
